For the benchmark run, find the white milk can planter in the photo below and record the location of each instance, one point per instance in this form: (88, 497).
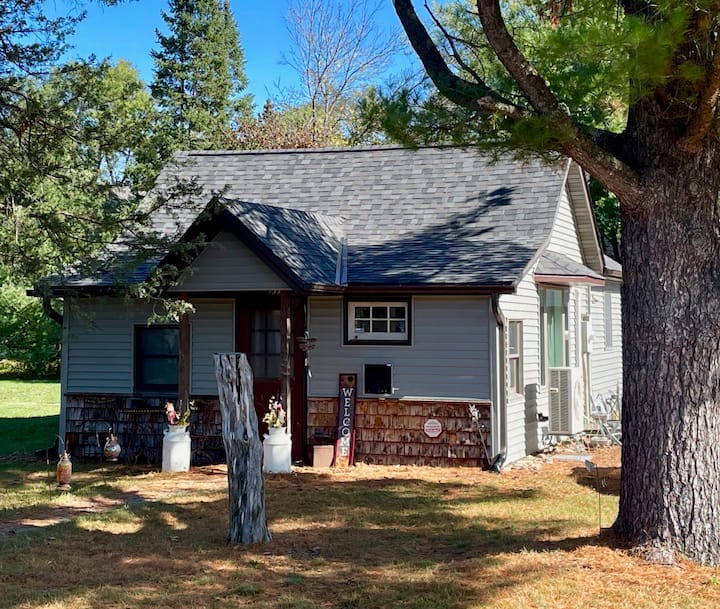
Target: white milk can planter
(277, 449)
(176, 449)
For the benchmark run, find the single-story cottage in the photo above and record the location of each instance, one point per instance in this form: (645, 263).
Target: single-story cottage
(469, 297)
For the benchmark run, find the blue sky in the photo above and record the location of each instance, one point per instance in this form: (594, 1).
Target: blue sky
(127, 31)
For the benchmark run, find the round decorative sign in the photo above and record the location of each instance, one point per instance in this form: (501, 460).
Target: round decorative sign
(432, 428)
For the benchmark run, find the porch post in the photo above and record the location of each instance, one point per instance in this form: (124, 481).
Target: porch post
(184, 362)
(285, 364)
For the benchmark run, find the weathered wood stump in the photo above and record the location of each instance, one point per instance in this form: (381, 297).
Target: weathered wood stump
(243, 448)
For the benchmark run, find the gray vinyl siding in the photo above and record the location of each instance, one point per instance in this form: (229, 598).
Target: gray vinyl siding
(98, 351)
(564, 239)
(521, 412)
(212, 330)
(525, 433)
(606, 361)
(227, 264)
(449, 356)
(100, 344)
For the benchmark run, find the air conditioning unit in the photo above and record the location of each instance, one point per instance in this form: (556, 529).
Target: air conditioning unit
(566, 400)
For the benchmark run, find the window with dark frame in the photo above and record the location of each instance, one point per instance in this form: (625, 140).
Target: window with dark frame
(157, 352)
(378, 379)
(378, 321)
(514, 357)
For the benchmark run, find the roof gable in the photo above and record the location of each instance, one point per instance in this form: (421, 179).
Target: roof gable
(306, 244)
(584, 217)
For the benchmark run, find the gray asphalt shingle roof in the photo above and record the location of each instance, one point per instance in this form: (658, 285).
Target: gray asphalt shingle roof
(309, 243)
(553, 263)
(426, 217)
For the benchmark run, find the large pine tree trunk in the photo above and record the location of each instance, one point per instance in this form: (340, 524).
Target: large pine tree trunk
(243, 449)
(670, 490)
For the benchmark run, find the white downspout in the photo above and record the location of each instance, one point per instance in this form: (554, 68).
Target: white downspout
(499, 459)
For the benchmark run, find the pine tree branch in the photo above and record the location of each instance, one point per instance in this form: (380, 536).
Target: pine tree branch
(704, 117)
(587, 150)
(473, 95)
(591, 148)
(532, 85)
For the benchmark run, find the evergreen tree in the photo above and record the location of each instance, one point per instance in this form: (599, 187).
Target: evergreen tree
(199, 75)
(66, 182)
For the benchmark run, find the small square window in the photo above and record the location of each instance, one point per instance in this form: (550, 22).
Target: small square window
(378, 322)
(378, 379)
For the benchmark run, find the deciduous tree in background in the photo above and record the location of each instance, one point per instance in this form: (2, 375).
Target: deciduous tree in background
(557, 92)
(338, 50)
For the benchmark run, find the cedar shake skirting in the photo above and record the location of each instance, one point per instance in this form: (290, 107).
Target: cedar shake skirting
(139, 424)
(390, 432)
(387, 432)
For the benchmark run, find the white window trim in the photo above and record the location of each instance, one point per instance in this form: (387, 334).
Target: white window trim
(353, 337)
(608, 320)
(516, 357)
(544, 356)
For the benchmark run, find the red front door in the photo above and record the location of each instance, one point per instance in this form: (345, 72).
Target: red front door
(259, 327)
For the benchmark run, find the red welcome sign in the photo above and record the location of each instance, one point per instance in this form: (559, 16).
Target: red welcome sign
(345, 443)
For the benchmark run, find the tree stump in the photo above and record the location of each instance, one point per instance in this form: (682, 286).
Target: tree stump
(243, 449)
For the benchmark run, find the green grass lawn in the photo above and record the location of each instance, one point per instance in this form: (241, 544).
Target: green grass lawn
(372, 537)
(29, 415)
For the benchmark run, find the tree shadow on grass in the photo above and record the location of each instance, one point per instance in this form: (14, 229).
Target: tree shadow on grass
(364, 543)
(604, 480)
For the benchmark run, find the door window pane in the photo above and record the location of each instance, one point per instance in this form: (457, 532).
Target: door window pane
(274, 320)
(265, 343)
(272, 370)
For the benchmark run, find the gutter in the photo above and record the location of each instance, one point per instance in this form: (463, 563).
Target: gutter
(499, 459)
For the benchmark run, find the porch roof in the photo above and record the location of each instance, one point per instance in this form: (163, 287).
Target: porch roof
(554, 267)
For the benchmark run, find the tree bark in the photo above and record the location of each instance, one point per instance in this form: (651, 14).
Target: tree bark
(243, 449)
(670, 488)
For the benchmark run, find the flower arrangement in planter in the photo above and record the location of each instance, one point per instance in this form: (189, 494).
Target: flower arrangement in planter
(275, 416)
(176, 418)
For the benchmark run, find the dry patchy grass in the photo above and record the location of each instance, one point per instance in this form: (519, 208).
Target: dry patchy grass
(373, 537)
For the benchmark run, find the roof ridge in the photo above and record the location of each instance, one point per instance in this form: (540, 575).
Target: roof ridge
(325, 150)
